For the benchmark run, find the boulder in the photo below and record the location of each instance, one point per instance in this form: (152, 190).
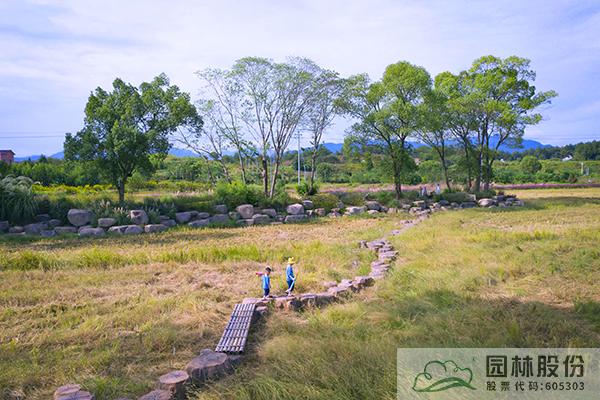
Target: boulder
(138, 217)
(422, 204)
(48, 233)
(444, 203)
(16, 229)
(183, 217)
(338, 291)
(220, 209)
(234, 215)
(4, 225)
(295, 218)
(245, 222)
(63, 230)
(308, 204)
(158, 394)
(246, 211)
(499, 197)
(468, 204)
(133, 230)
(83, 227)
(261, 219)
(72, 392)
(168, 222)
(53, 223)
(34, 229)
(288, 303)
(119, 229)
(270, 212)
(353, 210)
(106, 222)
(518, 203)
(308, 300)
(91, 232)
(320, 212)
(175, 382)
(295, 209)
(199, 223)
(486, 202)
(208, 365)
(373, 205)
(372, 212)
(154, 228)
(334, 214)
(78, 217)
(220, 219)
(200, 215)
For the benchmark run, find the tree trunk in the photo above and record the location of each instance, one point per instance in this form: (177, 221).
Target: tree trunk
(242, 167)
(397, 166)
(313, 170)
(225, 170)
(265, 173)
(121, 189)
(274, 177)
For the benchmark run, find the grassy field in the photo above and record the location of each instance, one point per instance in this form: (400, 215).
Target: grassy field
(521, 277)
(117, 312)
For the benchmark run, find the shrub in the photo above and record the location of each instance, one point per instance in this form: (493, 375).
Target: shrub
(304, 189)
(325, 200)
(17, 201)
(353, 198)
(236, 193)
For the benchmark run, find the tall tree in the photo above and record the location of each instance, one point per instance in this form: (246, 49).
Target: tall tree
(126, 127)
(388, 111)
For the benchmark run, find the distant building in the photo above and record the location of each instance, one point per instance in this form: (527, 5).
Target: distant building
(7, 156)
(568, 158)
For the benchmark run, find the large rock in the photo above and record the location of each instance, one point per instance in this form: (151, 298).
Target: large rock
(16, 229)
(220, 219)
(138, 217)
(48, 233)
(35, 229)
(353, 210)
(234, 215)
(168, 222)
(78, 217)
(295, 209)
(422, 204)
(72, 392)
(295, 218)
(373, 205)
(199, 223)
(220, 209)
(4, 225)
(245, 222)
(118, 229)
(246, 211)
(133, 230)
(183, 217)
(270, 212)
(63, 230)
(106, 222)
(53, 223)
(200, 215)
(209, 365)
(486, 202)
(154, 228)
(308, 204)
(261, 219)
(320, 212)
(91, 232)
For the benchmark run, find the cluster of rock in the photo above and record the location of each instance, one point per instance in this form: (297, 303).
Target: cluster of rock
(210, 365)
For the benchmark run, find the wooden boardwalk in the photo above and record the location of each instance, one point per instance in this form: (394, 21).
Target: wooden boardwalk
(236, 333)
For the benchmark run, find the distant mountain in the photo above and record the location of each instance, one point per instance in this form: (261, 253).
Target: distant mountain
(527, 144)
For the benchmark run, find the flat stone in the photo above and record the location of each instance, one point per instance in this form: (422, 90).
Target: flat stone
(220, 219)
(53, 223)
(246, 211)
(271, 212)
(119, 229)
(339, 291)
(169, 223)
(308, 204)
(295, 218)
(486, 202)
(353, 210)
(63, 230)
(334, 214)
(295, 209)
(16, 229)
(138, 217)
(91, 232)
(157, 394)
(209, 365)
(261, 219)
(72, 392)
(372, 212)
(201, 215)
(220, 209)
(183, 217)
(175, 382)
(373, 205)
(308, 300)
(199, 223)
(133, 230)
(154, 228)
(323, 299)
(35, 229)
(106, 222)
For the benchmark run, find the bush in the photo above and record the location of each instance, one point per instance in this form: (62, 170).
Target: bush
(304, 189)
(17, 201)
(325, 200)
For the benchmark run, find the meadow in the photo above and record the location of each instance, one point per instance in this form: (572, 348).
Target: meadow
(115, 313)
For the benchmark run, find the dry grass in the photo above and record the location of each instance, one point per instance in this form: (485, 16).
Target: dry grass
(115, 313)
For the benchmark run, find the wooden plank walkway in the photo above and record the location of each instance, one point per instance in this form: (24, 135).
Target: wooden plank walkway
(236, 332)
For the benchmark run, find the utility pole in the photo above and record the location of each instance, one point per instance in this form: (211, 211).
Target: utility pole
(298, 136)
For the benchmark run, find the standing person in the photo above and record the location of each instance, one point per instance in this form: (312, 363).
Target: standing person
(438, 190)
(266, 281)
(289, 275)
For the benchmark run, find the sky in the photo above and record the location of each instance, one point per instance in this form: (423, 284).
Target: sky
(54, 53)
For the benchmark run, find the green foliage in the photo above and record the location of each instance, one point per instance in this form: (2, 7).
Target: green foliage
(530, 165)
(305, 189)
(325, 200)
(17, 200)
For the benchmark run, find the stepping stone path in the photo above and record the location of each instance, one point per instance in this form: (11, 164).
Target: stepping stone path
(210, 365)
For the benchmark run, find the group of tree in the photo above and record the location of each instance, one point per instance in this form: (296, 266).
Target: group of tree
(255, 108)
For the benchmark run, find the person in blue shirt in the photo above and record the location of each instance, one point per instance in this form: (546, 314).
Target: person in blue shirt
(266, 282)
(289, 275)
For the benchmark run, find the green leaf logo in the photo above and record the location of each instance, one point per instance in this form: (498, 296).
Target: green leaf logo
(438, 376)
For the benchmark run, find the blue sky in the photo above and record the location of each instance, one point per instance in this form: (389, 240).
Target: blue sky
(53, 53)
